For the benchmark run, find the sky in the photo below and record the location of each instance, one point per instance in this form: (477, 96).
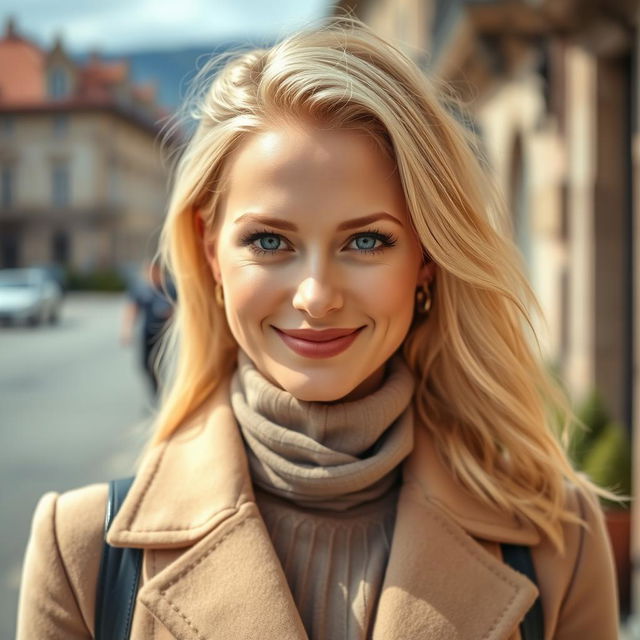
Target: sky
(111, 26)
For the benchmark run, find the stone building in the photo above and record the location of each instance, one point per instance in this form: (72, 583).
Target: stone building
(553, 88)
(83, 181)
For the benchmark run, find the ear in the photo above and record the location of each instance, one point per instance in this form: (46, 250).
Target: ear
(427, 272)
(208, 243)
(198, 223)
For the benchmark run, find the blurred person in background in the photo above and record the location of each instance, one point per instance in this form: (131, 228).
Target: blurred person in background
(357, 436)
(151, 303)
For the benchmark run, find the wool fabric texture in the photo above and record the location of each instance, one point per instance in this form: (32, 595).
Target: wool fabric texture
(326, 479)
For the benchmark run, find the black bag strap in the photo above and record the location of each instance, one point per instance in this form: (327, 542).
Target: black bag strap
(119, 576)
(518, 557)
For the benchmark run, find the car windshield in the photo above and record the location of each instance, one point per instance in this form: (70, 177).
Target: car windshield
(19, 278)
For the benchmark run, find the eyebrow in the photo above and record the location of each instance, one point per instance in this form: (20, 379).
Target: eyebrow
(354, 223)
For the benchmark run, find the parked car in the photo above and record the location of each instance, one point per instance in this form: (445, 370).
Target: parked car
(30, 296)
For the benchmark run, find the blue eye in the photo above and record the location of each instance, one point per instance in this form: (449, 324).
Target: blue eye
(366, 243)
(267, 242)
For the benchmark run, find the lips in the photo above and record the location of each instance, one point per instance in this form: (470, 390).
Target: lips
(316, 335)
(316, 347)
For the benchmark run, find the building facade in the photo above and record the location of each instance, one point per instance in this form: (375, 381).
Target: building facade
(83, 176)
(553, 88)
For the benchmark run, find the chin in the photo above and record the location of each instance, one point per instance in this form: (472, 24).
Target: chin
(311, 393)
(314, 387)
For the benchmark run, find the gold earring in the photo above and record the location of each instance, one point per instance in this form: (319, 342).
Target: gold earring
(423, 300)
(219, 295)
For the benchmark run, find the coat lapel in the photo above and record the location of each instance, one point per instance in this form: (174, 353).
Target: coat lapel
(194, 493)
(441, 584)
(229, 585)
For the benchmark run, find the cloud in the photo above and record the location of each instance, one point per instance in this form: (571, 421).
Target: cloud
(132, 25)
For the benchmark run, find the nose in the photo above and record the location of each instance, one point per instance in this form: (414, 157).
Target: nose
(317, 298)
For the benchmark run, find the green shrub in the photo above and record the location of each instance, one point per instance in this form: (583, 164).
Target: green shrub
(99, 280)
(608, 461)
(603, 450)
(593, 413)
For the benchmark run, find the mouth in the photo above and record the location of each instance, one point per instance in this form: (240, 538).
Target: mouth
(320, 346)
(318, 335)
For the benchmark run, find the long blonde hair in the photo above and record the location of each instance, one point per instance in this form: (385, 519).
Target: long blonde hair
(483, 391)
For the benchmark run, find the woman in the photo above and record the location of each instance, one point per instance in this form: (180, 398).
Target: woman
(356, 420)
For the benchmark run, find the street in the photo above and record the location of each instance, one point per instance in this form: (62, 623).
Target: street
(74, 410)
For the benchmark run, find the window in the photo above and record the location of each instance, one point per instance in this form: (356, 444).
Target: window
(60, 125)
(6, 186)
(7, 125)
(9, 250)
(58, 83)
(60, 247)
(60, 183)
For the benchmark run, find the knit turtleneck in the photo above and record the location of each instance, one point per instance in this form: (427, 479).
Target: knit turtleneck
(323, 455)
(325, 478)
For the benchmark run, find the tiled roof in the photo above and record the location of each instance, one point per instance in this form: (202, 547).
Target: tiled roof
(22, 69)
(145, 92)
(97, 70)
(97, 79)
(96, 83)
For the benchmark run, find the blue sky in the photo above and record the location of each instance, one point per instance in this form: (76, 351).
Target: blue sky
(130, 25)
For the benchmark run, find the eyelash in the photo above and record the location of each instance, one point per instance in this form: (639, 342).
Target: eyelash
(388, 240)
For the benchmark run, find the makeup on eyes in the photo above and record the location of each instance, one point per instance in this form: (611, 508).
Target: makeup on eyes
(388, 240)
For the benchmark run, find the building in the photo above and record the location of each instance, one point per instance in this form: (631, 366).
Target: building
(83, 182)
(553, 87)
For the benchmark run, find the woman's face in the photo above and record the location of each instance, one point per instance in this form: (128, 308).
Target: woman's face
(312, 232)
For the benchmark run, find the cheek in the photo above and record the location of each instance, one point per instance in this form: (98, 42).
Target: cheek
(392, 296)
(252, 293)
(390, 290)
(248, 288)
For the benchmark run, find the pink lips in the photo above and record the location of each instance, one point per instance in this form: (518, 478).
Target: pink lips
(319, 344)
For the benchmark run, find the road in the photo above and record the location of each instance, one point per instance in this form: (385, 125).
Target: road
(74, 409)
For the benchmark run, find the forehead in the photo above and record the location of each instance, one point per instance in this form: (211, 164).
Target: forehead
(300, 168)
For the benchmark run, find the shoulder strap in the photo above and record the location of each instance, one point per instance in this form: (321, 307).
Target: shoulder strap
(518, 557)
(118, 578)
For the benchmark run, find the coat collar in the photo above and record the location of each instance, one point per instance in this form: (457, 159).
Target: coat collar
(188, 485)
(195, 491)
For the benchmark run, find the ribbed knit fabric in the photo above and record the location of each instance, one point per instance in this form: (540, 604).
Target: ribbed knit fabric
(326, 479)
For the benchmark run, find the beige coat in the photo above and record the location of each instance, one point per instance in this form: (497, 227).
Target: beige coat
(211, 573)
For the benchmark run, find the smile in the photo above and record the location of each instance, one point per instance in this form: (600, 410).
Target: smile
(315, 349)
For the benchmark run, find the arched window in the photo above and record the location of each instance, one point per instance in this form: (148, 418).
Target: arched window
(58, 83)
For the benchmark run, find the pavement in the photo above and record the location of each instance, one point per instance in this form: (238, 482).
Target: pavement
(74, 409)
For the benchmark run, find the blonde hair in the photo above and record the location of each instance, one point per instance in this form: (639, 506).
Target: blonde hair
(482, 390)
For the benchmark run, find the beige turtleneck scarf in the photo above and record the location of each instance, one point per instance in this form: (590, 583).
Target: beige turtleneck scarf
(326, 479)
